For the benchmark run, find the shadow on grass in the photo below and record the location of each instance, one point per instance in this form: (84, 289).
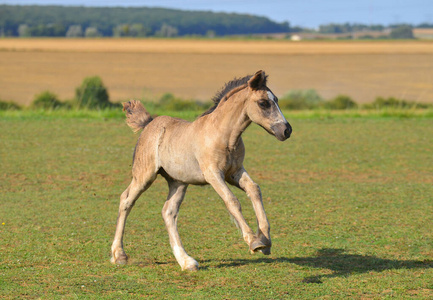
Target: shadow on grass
(340, 263)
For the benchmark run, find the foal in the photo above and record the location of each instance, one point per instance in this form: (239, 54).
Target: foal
(207, 151)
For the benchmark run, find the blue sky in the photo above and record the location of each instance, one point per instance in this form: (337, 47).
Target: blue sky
(306, 13)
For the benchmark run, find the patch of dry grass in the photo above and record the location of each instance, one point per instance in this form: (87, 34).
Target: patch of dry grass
(137, 68)
(192, 46)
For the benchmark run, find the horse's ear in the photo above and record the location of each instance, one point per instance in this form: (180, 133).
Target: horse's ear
(257, 80)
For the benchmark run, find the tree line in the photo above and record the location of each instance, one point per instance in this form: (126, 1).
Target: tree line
(56, 21)
(74, 21)
(396, 31)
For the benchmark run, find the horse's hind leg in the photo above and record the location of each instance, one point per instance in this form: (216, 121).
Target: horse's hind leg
(169, 213)
(127, 201)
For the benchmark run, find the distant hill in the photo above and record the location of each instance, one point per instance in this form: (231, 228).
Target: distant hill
(133, 21)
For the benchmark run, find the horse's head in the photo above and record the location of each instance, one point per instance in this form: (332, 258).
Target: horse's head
(262, 108)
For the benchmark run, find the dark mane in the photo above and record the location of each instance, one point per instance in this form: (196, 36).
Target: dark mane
(229, 86)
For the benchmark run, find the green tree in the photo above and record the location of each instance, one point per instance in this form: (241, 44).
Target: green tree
(138, 30)
(402, 32)
(74, 31)
(24, 30)
(301, 99)
(9, 105)
(46, 100)
(121, 30)
(91, 32)
(341, 102)
(92, 94)
(167, 31)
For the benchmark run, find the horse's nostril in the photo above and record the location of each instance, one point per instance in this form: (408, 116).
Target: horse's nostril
(287, 133)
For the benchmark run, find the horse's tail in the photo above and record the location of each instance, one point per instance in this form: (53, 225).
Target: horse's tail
(137, 116)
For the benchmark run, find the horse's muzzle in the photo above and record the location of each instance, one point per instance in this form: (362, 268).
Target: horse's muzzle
(282, 131)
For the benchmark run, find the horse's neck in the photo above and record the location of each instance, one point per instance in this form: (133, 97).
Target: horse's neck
(231, 121)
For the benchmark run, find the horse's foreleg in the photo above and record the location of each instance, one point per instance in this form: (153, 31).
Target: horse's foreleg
(127, 201)
(216, 179)
(169, 213)
(244, 181)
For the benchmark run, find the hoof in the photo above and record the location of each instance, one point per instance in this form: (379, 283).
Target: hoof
(120, 260)
(256, 246)
(191, 265)
(192, 268)
(262, 244)
(266, 251)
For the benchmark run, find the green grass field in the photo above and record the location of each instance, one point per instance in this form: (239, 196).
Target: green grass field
(349, 199)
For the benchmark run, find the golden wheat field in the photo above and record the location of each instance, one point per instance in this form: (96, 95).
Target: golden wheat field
(137, 68)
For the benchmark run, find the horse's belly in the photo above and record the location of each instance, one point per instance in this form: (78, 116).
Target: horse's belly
(184, 169)
(176, 152)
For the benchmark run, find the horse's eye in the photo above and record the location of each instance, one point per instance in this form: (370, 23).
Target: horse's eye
(264, 104)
